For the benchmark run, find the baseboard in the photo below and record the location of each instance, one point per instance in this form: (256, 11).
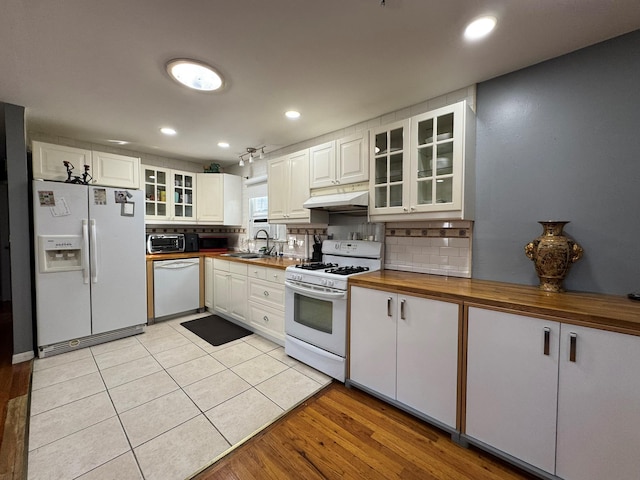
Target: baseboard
(22, 357)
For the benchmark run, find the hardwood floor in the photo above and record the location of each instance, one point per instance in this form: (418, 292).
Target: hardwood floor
(343, 433)
(14, 389)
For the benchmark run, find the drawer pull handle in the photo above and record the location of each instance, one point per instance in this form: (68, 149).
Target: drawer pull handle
(573, 338)
(547, 335)
(266, 294)
(389, 307)
(402, 302)
(265, 318)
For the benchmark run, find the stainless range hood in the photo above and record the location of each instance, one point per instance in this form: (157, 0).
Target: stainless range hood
(340, 202)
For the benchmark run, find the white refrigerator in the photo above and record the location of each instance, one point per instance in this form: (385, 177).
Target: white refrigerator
(90, 271)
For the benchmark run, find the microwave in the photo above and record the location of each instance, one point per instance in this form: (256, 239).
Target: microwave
(165, 243)
(213, 243)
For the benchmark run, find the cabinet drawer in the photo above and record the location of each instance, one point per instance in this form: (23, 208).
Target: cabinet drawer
(274, 275)
(222, 265)
(267, 293)
(266, 318)
(238, 268)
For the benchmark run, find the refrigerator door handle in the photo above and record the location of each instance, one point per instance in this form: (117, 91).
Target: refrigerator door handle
(85, 252)
(94, 252)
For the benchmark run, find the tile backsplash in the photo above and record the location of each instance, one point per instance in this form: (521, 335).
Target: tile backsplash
(440, 248)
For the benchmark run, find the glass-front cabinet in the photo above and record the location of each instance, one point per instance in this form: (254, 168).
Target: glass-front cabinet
(183, 196)
(421, 165)
(169, 195)
(390, 166)
(156, 192)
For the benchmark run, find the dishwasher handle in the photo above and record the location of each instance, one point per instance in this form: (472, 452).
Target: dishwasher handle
(174, 264)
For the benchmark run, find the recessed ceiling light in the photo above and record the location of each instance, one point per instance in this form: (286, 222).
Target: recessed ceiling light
(223, 144)
(118, 142)
(479, 28)
(292, 114)
(195, 75)
(168, 131)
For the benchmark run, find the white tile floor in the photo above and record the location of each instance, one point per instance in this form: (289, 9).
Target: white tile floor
(160, 405)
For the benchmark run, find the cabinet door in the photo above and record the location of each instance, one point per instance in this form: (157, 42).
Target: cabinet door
(210, 207)
(352, 159)
(322, 165)
(598, 405)
(238, 297)
(48, 160)
(221, 300)
(278, 188)
(512, 385)
(298, 185)
(437, 159)
(115, 170)
(372, 355)
(183, 196)
(156, 193)
(208, 283)
(427, 367)
(390, 162)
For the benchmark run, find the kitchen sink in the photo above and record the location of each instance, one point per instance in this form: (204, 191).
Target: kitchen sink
(243, 255)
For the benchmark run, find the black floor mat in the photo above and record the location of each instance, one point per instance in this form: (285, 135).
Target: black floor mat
(216, 330)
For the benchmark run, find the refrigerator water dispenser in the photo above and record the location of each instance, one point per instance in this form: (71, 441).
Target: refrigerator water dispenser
(60, 253)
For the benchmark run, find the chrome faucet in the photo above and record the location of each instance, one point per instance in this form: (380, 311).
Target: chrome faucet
(267, 250)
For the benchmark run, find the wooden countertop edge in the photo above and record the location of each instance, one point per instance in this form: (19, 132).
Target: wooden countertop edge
(271, 262)
(606, 312)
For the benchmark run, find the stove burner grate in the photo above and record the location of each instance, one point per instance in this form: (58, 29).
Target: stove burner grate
(347, 270)
(316, 266)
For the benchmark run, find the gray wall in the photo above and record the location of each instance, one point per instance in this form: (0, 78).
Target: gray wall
(18, 193)
(560, 141)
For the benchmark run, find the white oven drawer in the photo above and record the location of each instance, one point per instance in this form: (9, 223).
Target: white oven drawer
(267, 293)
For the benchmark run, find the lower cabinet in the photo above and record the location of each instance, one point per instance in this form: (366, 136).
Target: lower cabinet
(208, 283)
(406, 348)
(266, 301)
(562, 398)
(230, 289)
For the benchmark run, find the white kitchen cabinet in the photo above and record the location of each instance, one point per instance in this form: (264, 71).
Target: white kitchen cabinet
(219, 199)
(598, 405)
(406, 348)
(266, 301)
(107, 169)
(208, 283)
(339, 162)
(230, 289)
(288, 189)
(169, 195)
(512, 382)
(424, 167)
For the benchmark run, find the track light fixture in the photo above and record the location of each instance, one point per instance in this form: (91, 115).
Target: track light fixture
(251, 154)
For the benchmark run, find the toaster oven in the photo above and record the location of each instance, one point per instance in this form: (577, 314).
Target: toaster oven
(165, 243)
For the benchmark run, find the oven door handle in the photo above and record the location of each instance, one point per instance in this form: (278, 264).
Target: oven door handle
(316, 293)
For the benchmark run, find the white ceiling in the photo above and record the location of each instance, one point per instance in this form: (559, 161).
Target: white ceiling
(94, 69)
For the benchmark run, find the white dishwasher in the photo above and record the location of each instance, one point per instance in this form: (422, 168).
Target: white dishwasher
(176, 286)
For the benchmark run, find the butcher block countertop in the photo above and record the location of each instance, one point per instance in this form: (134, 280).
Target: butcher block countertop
(607, 312)
(272, 262)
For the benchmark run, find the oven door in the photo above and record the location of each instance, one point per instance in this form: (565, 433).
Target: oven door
(317, 315)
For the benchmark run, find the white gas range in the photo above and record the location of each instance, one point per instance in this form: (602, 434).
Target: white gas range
(316, 303)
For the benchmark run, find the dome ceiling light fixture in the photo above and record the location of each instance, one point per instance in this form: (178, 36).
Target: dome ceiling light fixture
(480, 27)
(251, 152)
(195, 75)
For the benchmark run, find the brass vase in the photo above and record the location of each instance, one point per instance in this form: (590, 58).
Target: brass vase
(553, 253)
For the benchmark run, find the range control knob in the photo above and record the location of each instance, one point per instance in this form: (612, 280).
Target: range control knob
(327, 282)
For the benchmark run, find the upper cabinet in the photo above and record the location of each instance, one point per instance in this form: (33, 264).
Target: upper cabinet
(169, 195)
(219, 200)
(107, 169)
(288, 189)
(339, 162)
(424, 166)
